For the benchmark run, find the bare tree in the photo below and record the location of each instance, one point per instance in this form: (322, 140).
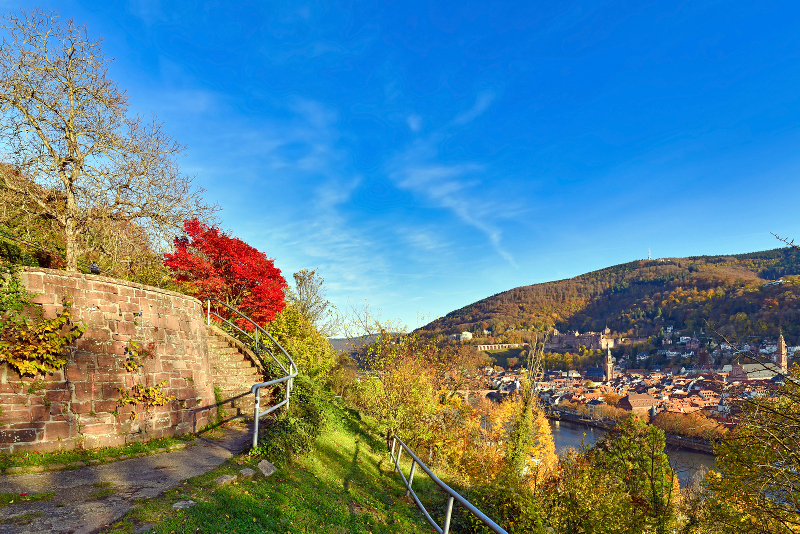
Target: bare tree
(308, 296)
(74, 151)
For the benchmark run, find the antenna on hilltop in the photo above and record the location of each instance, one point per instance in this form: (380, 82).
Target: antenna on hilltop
(648, 253)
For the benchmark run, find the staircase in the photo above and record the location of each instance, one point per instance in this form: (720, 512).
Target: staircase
(234, 370)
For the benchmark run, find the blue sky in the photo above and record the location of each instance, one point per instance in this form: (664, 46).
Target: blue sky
(423, 156)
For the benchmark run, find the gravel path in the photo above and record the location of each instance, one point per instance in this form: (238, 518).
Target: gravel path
(80, 506)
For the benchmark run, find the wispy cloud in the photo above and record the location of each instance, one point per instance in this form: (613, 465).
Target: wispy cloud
(414, 122)
(481, 104)
(452, 186)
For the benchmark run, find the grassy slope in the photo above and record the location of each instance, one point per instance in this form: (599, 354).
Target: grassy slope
(345, 484)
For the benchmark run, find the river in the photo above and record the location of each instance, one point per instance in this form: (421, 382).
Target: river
(567, 434)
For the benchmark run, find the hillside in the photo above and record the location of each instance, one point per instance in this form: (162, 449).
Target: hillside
(639, 297)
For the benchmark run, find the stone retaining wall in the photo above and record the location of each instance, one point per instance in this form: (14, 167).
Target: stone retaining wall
(77, 406)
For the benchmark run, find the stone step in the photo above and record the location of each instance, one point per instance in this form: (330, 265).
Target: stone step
(244, 365)
(246, 404)
(237, 382)
(224, 364)
(223, 350)
(222, 370)
(233, 374)
(228, 354)
(235, 400)
(229, 358)
(227, 369)
(228, 376)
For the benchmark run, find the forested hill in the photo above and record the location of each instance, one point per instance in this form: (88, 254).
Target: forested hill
(727, 291)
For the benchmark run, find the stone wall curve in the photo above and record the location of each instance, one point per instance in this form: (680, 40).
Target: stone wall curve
(77, 406)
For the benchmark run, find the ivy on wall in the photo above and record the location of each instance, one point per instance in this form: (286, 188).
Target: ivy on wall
(141, 394)
(32, 345)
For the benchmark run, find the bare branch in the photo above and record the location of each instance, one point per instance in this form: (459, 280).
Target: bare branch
(65, 129)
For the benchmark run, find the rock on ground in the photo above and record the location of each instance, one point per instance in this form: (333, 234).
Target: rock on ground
(266, 468)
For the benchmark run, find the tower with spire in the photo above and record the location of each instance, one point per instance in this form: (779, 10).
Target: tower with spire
(783, 360)
(608, 366)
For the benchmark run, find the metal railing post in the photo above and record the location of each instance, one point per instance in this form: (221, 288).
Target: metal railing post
(447, 515)
(289, 385)
(411, 477)
(452, 495)
(256, 341)
(255, 417)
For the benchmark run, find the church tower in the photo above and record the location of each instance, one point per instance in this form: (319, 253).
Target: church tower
(783, 360)
(608, 366)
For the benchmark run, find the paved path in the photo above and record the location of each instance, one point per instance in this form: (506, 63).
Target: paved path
(74, 510)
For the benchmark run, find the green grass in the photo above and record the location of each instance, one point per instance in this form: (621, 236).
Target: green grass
(104, 454)
(17, 498)
(344, 485)
(22, 519)
(101, 494)
(222, 414)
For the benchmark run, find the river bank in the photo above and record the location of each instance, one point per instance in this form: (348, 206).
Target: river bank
(685, 462)
(672, 440)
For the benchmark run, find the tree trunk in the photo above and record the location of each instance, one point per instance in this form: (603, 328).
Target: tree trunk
(71, 244)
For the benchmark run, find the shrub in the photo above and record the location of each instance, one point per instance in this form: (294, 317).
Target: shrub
(509, 502)
(294, 431)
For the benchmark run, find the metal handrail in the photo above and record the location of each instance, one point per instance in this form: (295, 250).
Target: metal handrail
(291, 373)
(452, 494)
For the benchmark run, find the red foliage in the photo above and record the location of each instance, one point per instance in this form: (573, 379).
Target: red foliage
(226, 268)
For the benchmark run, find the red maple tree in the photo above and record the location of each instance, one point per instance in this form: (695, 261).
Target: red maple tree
(226, 268)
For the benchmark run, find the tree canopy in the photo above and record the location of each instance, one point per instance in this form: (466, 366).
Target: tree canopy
(213, 264)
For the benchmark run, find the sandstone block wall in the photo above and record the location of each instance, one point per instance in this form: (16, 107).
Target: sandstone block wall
(77, 406)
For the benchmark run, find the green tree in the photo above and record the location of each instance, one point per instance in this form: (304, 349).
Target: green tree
(634, 452)
(582, 499)
(755, 487)
(310, 350)
(308, 297)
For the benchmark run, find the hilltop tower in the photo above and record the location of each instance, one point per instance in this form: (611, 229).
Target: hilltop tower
(608, 366)
(783, 360)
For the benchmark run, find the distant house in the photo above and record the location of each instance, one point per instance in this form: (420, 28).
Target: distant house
(463, 336)
(595, 374)
(753, 371)
(770, 348)
(637, 402)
